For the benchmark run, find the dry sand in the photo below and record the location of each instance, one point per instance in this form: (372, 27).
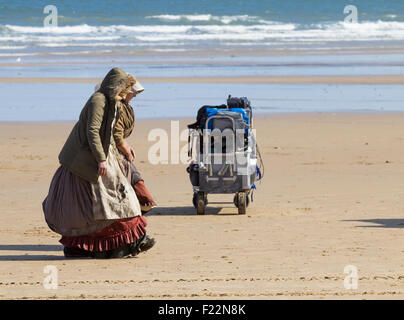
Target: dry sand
(332, 196)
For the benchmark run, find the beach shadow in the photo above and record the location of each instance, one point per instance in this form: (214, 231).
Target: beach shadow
(27, 248)
(381, 223)
(184, 211)
(31, 257)
(30, 247)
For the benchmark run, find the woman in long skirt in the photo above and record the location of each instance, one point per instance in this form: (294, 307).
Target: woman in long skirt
(122, 130)
(91, 201)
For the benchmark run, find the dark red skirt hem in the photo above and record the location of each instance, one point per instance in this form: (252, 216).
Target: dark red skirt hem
(116, 235)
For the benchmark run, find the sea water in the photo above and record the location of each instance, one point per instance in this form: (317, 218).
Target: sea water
(155, 39)
(126, 25)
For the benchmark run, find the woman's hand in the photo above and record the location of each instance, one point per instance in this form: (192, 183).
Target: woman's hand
(130, 155)
(127, 151)
(102, 168)
(132, 152)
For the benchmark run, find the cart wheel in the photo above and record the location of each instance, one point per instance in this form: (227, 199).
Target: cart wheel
(235, 200)
(200, 203)
(194, 200)
(205, 197)
(242, 202)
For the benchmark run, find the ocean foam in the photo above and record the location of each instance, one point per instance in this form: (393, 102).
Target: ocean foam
(205, 18)
(270, 33)
(84, 28)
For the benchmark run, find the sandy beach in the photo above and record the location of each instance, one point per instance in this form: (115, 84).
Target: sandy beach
(332, 196)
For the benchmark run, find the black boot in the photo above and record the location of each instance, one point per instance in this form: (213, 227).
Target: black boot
(143, 244)
(121, 252)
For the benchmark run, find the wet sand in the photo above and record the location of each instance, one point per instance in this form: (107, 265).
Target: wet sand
(371, 79)
(332, 196)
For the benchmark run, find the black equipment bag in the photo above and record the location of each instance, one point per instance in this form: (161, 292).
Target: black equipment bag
(201, 116)
(232, 102)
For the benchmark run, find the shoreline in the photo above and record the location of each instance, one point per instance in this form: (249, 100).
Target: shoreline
(256, 116)
(352, 80)
(208, 53)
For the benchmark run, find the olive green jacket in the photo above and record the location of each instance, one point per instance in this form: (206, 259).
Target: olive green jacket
(124, 124)
(90, 138)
